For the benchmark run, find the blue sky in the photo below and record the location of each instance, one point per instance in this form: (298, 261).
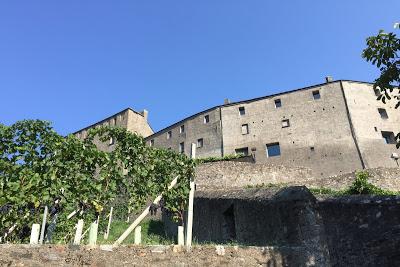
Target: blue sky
(76, 62)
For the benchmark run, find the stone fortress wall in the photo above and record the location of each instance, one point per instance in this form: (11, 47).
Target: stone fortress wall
(332, 128)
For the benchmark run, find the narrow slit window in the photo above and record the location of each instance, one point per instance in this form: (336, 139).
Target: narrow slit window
(278, 103)
(316, 95)
(273, 150)
(152, 142)
(200, 143)
(242, 111)
(169, 135)
(182, 129)
(206, 118)
(182, 148)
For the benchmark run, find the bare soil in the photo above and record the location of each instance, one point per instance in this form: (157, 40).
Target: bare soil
(60, 255)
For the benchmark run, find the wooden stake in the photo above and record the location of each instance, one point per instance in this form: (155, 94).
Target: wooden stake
(142, 216)
(138, 235)
(35, 234)
(109, 224)
(190, 207)
(181, 236)
(93, 233)
(78, 233)
(46, 210)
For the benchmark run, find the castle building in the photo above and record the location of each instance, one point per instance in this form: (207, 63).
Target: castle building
(332, 128)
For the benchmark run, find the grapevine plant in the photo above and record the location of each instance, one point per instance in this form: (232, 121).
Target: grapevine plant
(39, 168)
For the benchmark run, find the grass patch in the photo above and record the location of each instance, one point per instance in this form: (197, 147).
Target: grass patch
(215, 159)
(152, 233)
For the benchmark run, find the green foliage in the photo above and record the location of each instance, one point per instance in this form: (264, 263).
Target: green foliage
(40, 168)
(215, 159)
(382, 50)
(360, 186)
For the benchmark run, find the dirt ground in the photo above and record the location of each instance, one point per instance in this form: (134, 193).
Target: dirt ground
(57, 255)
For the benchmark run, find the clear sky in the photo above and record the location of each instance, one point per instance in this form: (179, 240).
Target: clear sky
(75, 62)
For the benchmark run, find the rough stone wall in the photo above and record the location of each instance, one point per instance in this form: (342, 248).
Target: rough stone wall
(195, 128)
(229, 174)
(345, 231)
(322, 124)
(362, 231)
(363, 109)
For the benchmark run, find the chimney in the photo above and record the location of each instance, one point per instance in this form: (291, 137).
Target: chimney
(328, 79)
(227, 101)
(145, 114)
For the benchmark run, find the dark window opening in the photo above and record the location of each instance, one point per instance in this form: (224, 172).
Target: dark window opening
(200, 143)
(228, 227)
(182, 148)
(169, 135)
(245, 129)
(273, 150)
(389, 137)
(316, 95)
(278, 103)
(182, 129)
(206, 118)
(383, 113)
(152, 142)
(242, 151)
(377, 92)
(312, 148)
(242, 111)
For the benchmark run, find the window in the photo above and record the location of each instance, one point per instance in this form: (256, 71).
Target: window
(278, 103)
(389, 137)
(112, 141)
(182, 129)
(78, 135)
(115, 121)
(285, 123)
(316, 95)
(383, 113)
(206, 118)
(242, 111)
(312, 148)
(273, 150)
(169, 135)
(152, 142)
(377, 92)
(200, 143)
(242, 151)
(245, 129)
(182, 147)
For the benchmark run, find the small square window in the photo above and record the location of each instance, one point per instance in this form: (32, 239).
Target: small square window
(169, 135)
(285, 123)
(242, 151)
(312, 148)
(200, 143)
(206, 118)
(182, 129)
(152, 142)
(389, 137)
(278, 103)
(383, 113)
(316, 95)
(273, 150)
(245, 129)
(242, 111)
(182, 147)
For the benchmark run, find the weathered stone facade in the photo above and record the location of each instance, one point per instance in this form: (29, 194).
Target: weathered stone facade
(133, 121)
(331, 128)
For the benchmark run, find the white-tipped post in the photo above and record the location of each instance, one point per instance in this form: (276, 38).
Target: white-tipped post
(93, 233)
(35, 234)
(181, 236)
(78, 233)
(138, 235)
(109, 224)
